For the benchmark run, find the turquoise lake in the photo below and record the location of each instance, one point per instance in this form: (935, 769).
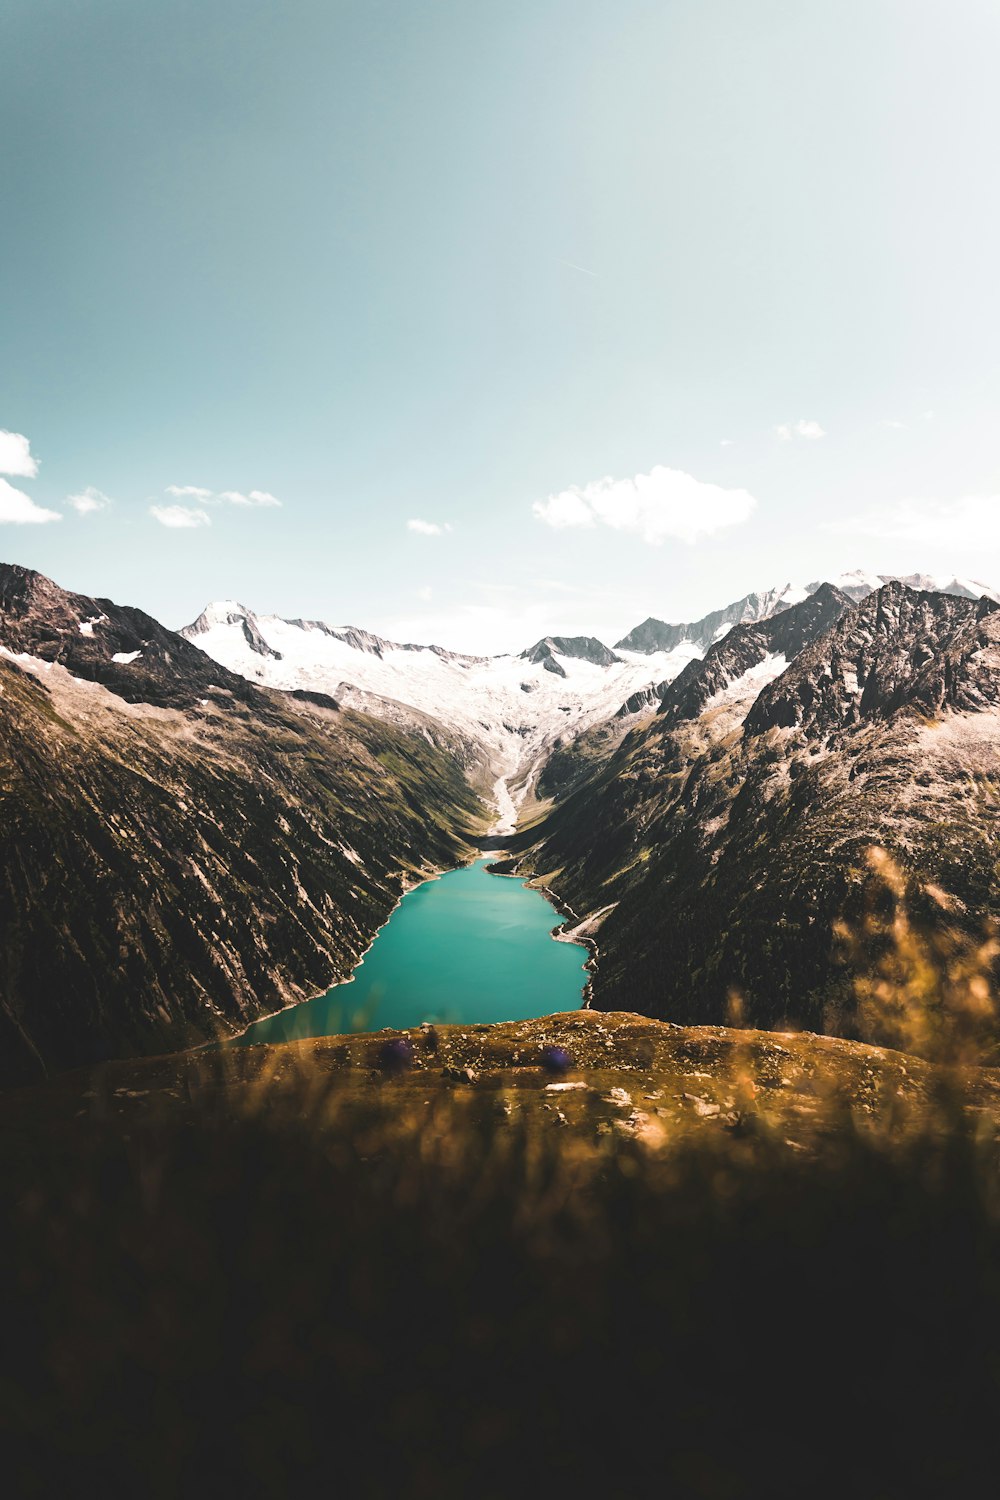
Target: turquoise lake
(467, 947)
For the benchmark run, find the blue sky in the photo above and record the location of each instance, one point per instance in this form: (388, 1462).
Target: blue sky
(333, 268)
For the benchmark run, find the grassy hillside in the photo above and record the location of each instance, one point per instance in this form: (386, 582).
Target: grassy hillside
(691, 1262)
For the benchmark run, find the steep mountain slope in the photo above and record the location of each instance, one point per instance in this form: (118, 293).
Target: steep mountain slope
(732, 672)
(180, 850)
(711, 856)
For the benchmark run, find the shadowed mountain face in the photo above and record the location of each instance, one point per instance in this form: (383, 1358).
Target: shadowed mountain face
(716, 848)
(181, 851)
(929, 651)
(745, 647)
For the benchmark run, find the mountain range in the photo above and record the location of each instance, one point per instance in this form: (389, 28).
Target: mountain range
(201, 827)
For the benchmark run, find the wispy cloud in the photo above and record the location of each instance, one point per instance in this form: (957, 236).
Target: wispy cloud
(726, 443)
(803, 428)
(253, 498)
(15, 455)
(180, 517)
(665, 503)
(88, 501)
(428, 528)
(893, 426)
(574, 267)
(928, 522)
(425, 594)
(18, 509)
(195, 491)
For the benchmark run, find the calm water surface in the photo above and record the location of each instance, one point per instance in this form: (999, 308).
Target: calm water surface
(467, 947)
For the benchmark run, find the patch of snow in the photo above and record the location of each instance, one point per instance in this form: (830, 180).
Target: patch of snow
(124, 657)
(750, 682)
(87, 626)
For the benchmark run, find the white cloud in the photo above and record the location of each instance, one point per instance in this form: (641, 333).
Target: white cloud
(89, 501)
(18, 509)
(726, 443)
(180, 516)
(665, 503)
(255, 497)
(194, 490)
(893, 426)
(15, 455)
(803, 428)
(426, 594)
(222, 497)
(428, 528)
(929, 522)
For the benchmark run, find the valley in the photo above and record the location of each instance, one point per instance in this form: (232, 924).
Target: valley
(204, 828)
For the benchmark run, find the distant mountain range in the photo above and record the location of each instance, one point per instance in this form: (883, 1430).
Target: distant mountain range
(201, 827)
(516, 709)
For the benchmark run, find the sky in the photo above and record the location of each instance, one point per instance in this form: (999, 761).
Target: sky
(470, 322)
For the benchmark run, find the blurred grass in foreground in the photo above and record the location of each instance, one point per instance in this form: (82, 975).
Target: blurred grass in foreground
(700, 1262)
(269, 1271)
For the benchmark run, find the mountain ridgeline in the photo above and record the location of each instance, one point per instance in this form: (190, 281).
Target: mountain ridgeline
(720, 846)
(182, 851)
(200, 828)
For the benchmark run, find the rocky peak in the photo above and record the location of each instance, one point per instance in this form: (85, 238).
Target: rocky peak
(580, 647)
(901, 648)
(658, 635)
(747, 646)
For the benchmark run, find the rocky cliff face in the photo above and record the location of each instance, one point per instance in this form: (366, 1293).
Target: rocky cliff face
(745, 648)
(180, 850)
(716, 848)
(927, 651)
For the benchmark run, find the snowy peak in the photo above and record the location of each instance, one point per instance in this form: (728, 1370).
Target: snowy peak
(510, 707)
(227, 612)
(578, 647)
(659, 635)
(858, 584)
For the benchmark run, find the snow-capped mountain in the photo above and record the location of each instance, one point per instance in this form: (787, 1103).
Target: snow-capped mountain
(513, 706)
(512, 710)
(659, 635)
(858, 584)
